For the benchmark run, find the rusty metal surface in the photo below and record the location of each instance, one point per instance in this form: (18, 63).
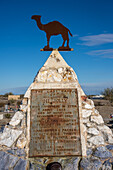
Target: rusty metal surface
(53, 28)
(59, 49)
(55, 128)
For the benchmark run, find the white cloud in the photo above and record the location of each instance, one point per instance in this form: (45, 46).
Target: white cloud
(75, 35)
(108, 53)
(93, 40)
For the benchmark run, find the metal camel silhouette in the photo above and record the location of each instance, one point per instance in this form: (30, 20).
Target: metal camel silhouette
(53, 28)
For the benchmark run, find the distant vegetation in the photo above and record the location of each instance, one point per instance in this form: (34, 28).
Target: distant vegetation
(108, 93)
(6, 94)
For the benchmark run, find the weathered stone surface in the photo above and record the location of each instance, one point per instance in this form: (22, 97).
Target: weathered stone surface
(109, 147)
(20, 152)
(23, 108)
(2, 129)
(91, 103)
(97, 119)
(21, 142)
(110, 139)
(89, 124)
(16, 118)
(105, 129)
(96, 112)
(89, 152)
(69, 166)
(102, 153)
(107, 165)
(86, 106)
(73, 165)
(88, 136)
(17, 152)
(56, 75)
(34, 166)
(9, 136)
(55, 70)
(89, 145)
(7, 161)
(86, 113)
(96, 140)
(90, 164)
(76, 163)
(93, 131)
(86, 120)
(107, 133)
(21, 165)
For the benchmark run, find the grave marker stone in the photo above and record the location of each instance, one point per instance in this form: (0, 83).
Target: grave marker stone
(55, 126)
(54, 111)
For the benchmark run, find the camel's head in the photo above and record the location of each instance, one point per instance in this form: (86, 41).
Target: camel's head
(36, 17)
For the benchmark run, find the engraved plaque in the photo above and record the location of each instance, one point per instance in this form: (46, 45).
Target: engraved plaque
(54, 121)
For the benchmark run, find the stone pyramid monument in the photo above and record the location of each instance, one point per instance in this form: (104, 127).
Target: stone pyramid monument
(75, 120)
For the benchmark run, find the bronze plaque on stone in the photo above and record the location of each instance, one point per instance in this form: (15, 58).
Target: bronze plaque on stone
(54, 123)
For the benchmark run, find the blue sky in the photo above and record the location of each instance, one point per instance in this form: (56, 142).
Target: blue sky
(90, 22)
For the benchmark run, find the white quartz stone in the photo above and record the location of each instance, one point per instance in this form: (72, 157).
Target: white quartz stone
(92, 103)
(96, 140)
(60, 70)
(86, 113)
(21, 141)
(89, 145)
(87, 106)
(90, 124)
(18, 116)
(110, 139)
(42, 76)
(97, 119)
(96, 112)
(86, 120)
(1, 116)
(57, 77)
(9, 136)
(107, 133)
(93, 131)
(23, 108)
(105, 129)
(88, 136)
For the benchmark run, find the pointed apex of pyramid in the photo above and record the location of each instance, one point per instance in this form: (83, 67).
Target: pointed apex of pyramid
(55, 73)
(55, 60)
(55, 70)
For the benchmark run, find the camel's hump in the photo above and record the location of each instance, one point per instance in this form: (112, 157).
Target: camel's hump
(54, 24)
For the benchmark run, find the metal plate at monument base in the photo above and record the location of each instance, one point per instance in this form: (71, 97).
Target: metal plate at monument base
(54, 123)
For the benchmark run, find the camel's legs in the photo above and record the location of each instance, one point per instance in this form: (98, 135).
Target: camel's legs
(68, 42)
(65, 37)
(63, 43)
(48, 38)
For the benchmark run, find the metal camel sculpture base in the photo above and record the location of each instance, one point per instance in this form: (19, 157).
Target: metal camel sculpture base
(59, 49)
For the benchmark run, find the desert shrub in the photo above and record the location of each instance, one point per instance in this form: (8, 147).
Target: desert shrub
(108, 93)
(19, 103)
(6, 94)
(21, 96)
(2, 104)
(7, 115)
(12, 101)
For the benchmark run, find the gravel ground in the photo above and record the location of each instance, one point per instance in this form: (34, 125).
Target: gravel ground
(105, 109)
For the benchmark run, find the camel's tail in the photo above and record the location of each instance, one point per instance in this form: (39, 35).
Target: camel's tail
(70, 33)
